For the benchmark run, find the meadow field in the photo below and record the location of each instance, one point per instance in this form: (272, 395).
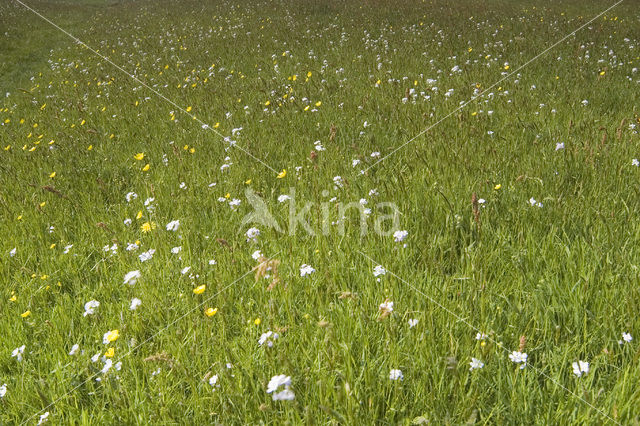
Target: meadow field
(324, 212)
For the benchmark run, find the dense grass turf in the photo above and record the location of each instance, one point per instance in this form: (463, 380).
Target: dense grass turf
(520, 209)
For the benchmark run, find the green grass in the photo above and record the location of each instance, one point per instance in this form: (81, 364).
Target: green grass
(560, 282)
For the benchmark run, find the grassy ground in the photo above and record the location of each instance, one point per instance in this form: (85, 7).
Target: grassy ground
(556, 279)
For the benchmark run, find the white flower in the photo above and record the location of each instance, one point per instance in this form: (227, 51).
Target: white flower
(285, 395)
(132, 247)
(252, 234)
(355, 162)
(379, 270)
(213, 380)
(534, 203)
(3, 390)
(74, 349)
(146, 255)
(234, 203)
(519, 358)
(580, 368)
(559, 146)
(256, 255)
(399, 236)
(96, 357)
(634, 162)
(176, 250)
(90, 307)
(132, 277)
(127, 222)
(107, 366)
(481, 336)
(277, 381)
(269, 337)
(212, 262)
(413, 322)
(185, 270)
(627, 337)
(43, 418)
(396, 375)
(17, 353)
(131, 196)
(135, 302)
(475, 364)
(283, 198)
(306, 270)
(585, 102)
(386, 306)
(67, 248)
(173, 225)
(13, 252)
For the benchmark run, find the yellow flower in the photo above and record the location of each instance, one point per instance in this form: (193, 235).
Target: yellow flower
(110, 353)
(318, 103)
(309, 74)
(215, 126)
(188, 109)
(257, 321)
(52, 175)
(498, 186)
(90, 147)
(506, 67)
(602, 72)
(25, 314)
(146, 168)
(42, 204)
(267, 103)
(211, 312)
(200, 289)
(282, 174)
(247, 182)
(139, 215)
(148, 226)
(139, 156)
(13, 298)
(113, 335)
(52, 246)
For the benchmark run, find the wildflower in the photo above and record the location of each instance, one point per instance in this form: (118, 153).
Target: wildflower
(173, 225)
(184, 270)
(176, 250)
(90, 307)
(257, 321)
(580, 368)
(200, 289)
(634, 162)
(3, 390)
(213, 380)
(534, 203)
(475, 364)
(131, 196)
(252, 234)
(385, 308)
(627, 337)
(282, 174)
(284, 197)
(413, 322)
(147, 227)
(275, 383)
(17, 353)
(25, 314)
(107, 366)
(74, 349)
(45, 416)
(269, 337)
(127, 222)
(110, 353)
(110, 336)
(67, 248)
(257, 255)
(212, 262)
(211, 312)
(497, 187)
(396, 375)
(132, 277)
(481, 336)
(13, 252)
(399, 236)
(379, 270)
(559, 146)
(306, 270)
(519, 358)
(146, 255)
(135, 302)
(139, 156)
